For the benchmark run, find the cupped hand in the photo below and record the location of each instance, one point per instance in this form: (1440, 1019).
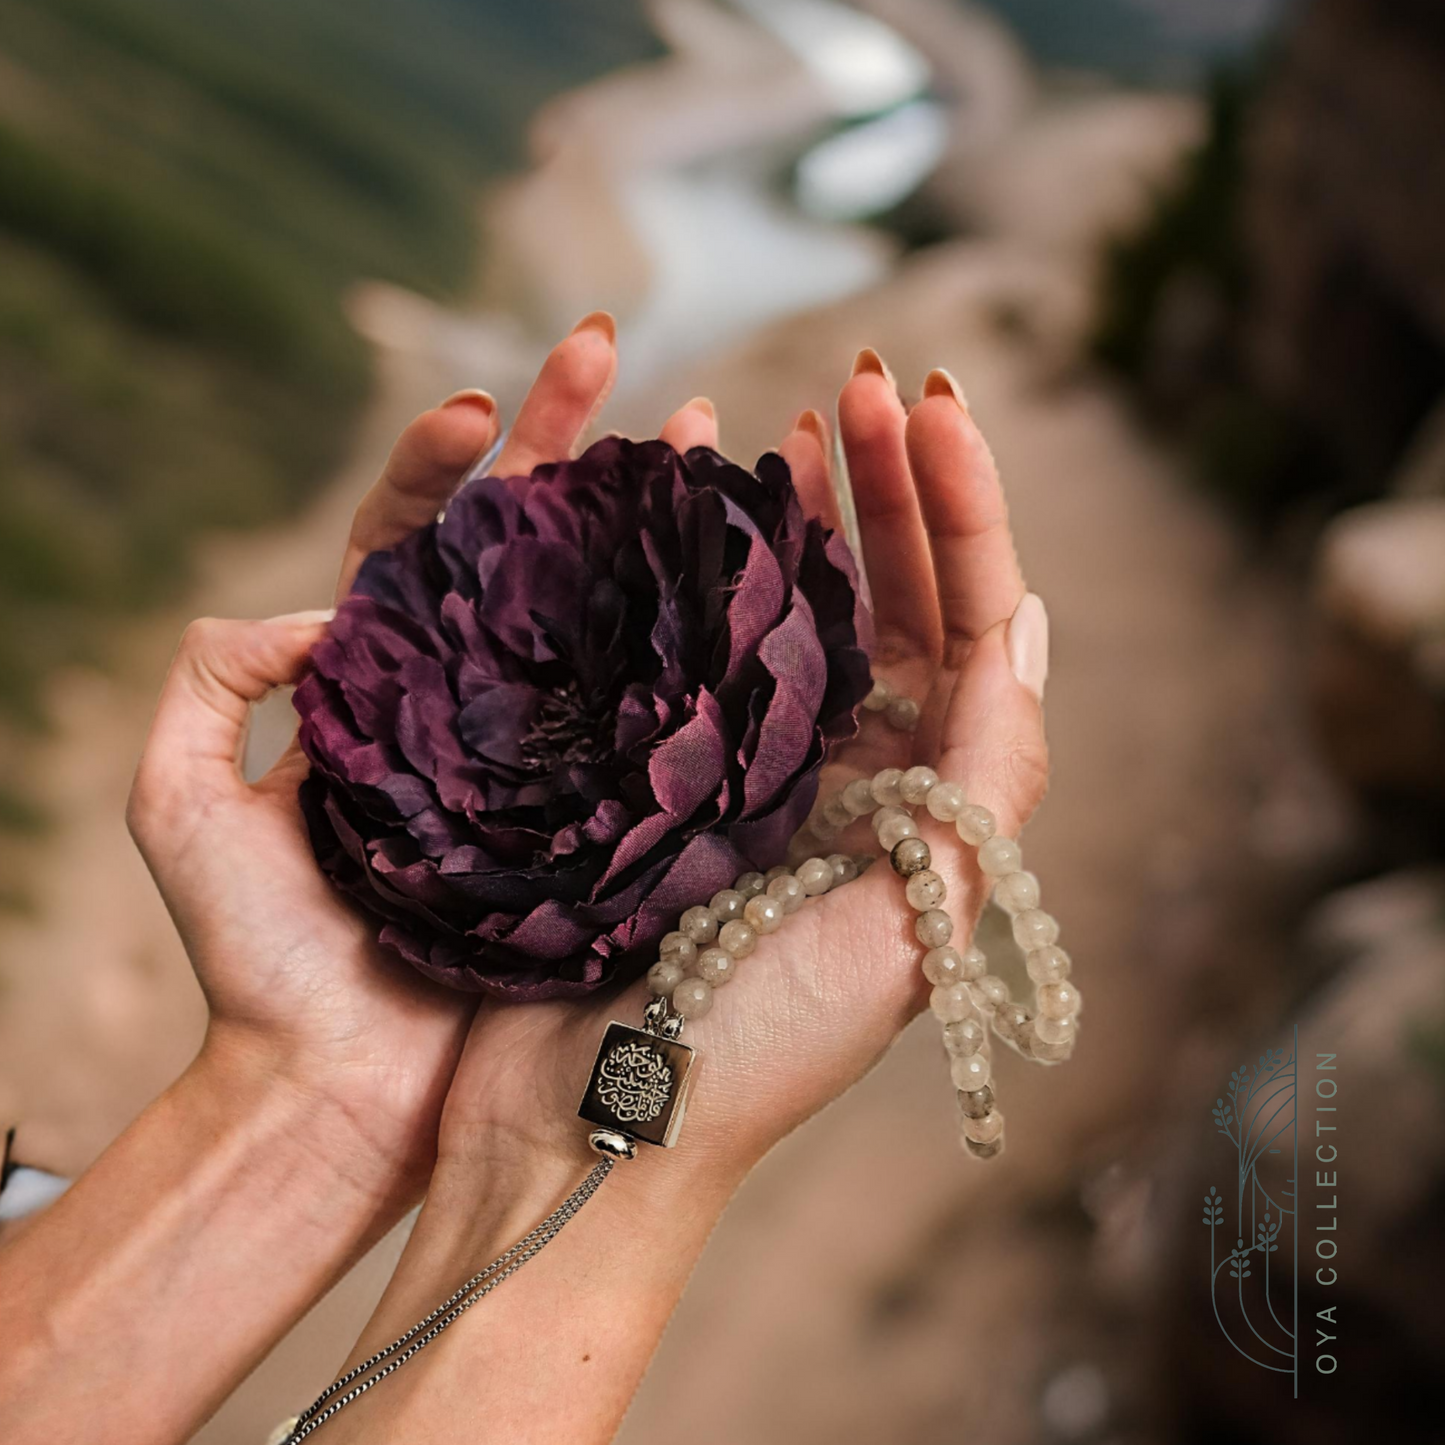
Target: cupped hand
(295, 981)
(817, 1003)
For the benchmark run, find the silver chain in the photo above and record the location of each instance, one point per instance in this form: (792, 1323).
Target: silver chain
(330, 1402)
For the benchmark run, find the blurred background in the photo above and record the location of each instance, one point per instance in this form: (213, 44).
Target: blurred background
(1187, 258)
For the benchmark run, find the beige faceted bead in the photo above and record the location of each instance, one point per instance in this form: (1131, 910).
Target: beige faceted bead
(984, 1130)
(992, 990)
(739, 937)
(943, 965)
(917, 783)
(663, 977)
(836, 812)
(975, 965)
(1059, 1000)
(1035, 929)
(983, 1151)
(976, 1102)
(692, 998)
(975, 825)
(679, 947)
(764, 913)
(1043, 1053)
(845, 870)
(885, 787)
(750, 884)
(964, 1037)
(946, 801)
(1048, 965)
(925, 890)
(903, 713)
(716, 966)
(879, 696)
(999, 856)
(779, 870)
(823, 830)
(893, 825)
(970, 1071)
(788, 891)
(1055, 1031)
(1009, 1019)
(699, 924)
(951, 1003)
(816, 876)
(858, 797)
(727, 904)
(1016, 892)
(933, 928)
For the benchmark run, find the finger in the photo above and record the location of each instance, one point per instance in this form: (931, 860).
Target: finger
(568, 393)
(694, 425)
(219, 671)
(427, 463)
(806, 450)
(979, 581)
(896, 560)
(993, 730)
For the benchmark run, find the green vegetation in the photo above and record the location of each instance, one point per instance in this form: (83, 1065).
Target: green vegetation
(185, 193)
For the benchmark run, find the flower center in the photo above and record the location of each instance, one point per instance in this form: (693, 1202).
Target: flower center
(566, 730)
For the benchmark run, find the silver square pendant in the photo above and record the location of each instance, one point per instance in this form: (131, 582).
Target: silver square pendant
(639, 1085)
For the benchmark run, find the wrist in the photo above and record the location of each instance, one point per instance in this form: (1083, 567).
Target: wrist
(504, 1184)
(247, 1082)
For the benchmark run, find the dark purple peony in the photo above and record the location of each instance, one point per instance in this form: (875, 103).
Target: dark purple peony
(580, 703)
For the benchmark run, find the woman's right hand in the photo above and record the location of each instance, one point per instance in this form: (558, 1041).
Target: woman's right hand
(297, 987)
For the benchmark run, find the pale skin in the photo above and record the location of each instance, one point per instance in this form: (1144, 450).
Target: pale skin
(333, 1086)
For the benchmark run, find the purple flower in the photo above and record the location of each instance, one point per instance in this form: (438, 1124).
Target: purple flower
(580, 703)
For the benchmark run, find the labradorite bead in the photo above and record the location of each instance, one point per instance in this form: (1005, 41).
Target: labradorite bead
(910, 856)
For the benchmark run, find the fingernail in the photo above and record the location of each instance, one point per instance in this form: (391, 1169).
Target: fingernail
(602, 321)
(313, 618)
(868, 360)
(471, 396)
(812, 421)
(942, 383)
(1028, 643)
(702, 404)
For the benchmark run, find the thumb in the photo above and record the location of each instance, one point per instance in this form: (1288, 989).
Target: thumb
(220, 669)
(993, 732)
